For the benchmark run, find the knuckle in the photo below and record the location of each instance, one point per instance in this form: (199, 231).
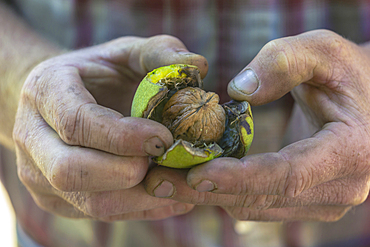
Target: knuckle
(67, 123)
(333, 44)
(63, 174)
(259, 202)
(98, 205)
(276, 49)
(353, 199)
(245, 201)
(24, 174)
(21, 133)
(117, 142)
(33, 84)
(296, 180)
(295, 184)
(284, 58)
(18, 138)
(32, 178)
(361, 198)
(263, 202)
(135, 174)
(242, 187)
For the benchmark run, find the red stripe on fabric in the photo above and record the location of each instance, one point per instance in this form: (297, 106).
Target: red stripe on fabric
(157, 227)
(179, 9)
(294, 17)
(84, 30)
(39, 231)
(223, 7)
(292, 234)
(365, 18)
(366, 229)
(185, 21)
(154, 18)
(184, 233)
(102, 232)
(229, 237)
(153, 4)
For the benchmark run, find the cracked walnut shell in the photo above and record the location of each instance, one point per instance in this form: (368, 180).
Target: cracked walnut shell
(194, 115)
(203, 130)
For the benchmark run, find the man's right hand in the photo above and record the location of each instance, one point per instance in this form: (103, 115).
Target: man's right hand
(76, 153)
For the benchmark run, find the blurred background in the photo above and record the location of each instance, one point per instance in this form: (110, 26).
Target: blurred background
(7, 227)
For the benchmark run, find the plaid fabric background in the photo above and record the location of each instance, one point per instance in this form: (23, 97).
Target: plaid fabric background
(229, 33)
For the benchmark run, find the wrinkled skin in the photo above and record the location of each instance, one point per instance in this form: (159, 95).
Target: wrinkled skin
(77, 156)
(317, 178)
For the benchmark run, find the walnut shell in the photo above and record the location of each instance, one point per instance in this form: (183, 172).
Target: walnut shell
(194, 115)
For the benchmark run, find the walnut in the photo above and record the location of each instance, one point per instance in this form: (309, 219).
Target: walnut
(194, 115)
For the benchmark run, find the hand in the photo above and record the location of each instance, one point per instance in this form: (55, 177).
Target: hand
(318, 178)
(77, 154)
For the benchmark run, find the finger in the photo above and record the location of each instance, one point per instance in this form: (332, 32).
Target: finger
(41, 190)
(74, 168)
(171, 183)
(153, 214)
(164, 182)
(31, 176)
(148, 54)
(310, 213)
(285, 63)
(58, 206)
(73, 113)
(118, 202)
(96, 205)
(294, 169)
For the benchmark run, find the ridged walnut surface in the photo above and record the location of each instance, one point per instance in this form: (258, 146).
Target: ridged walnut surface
(194, 115)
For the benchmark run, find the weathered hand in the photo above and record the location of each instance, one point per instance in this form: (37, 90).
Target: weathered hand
(77, 154)
(318, 178)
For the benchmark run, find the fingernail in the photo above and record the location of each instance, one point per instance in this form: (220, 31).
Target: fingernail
(246, 82)
(205, 186)
(154, 146)
(179, 208)
(183, 52)
(164, 189)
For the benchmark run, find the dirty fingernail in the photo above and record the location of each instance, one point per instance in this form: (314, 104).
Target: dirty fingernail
(164, 189)
(154, 146)
(246, 82)
(205, 186)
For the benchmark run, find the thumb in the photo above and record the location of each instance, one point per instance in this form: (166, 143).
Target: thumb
(283, 64)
